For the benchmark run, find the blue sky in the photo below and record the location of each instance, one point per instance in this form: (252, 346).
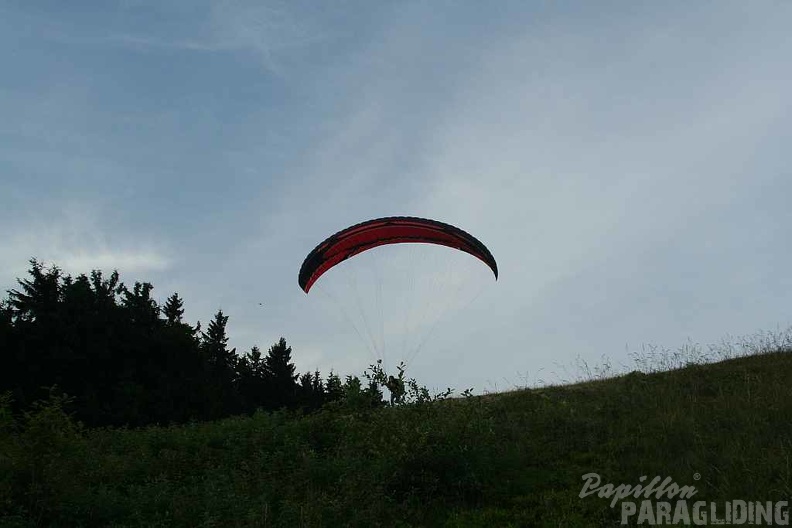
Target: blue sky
(628, 164)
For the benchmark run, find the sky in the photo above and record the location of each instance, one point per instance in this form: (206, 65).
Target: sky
(627, 164)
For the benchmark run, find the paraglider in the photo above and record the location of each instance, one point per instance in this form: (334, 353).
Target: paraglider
(389, 230)
(393, 297)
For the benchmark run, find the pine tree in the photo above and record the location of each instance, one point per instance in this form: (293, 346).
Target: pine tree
(251, 383)
(305, 390)
(334, 387)
(106, 289)
(183, 395)
(214, 341)
(221, 365)
(40, 353)
(318, 390)
(173, 309)
(39, 297)
(142, 308)
(8, 348)
(280, 376)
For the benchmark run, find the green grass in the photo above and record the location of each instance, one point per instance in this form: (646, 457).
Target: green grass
(510, 459)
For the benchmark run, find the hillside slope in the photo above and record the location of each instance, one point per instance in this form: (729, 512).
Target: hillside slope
(511, 459)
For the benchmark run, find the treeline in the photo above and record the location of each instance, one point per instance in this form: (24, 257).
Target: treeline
(124, 359)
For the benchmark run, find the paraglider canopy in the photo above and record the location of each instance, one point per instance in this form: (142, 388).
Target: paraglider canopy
(389, 230)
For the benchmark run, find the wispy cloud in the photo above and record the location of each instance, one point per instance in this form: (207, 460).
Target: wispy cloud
(267, 30)
(76, 241)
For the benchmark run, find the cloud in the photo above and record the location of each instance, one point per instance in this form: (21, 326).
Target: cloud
(267, 29)
(130, 261)
(78, 241)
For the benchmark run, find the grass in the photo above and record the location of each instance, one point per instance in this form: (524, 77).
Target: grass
(510, 459)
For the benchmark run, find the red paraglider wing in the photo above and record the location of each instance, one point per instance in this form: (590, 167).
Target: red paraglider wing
(390, 230)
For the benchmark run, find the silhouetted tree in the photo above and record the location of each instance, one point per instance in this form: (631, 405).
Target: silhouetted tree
(251, 383)
(183, 394)
(40, 355)
(143, 310)
(358, 397)
(39, 297)
(334, 388)
(221, 367)
(279, 375)
(8, 347)
(173, 309)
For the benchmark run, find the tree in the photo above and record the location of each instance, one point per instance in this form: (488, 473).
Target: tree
(8, 348)
(250, 381)
(221, 365)
(39, 297)
(40, 351)
(334, 387)
(143, 310)
(361, 398)
(310, 391)
(214, 341)
(173, 309)
(280, 376)
(318, 391)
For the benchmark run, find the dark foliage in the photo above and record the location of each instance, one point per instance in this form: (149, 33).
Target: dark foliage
(125, 360)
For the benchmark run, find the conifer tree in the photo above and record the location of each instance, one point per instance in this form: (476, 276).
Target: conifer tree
(305, 391)
(221, 367)
(251, 383)
(173, 309)
(39, 297)
(142, 308)
(334, 387)
(280, 376)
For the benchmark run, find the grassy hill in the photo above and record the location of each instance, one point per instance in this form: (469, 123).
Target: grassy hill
(511, 459)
